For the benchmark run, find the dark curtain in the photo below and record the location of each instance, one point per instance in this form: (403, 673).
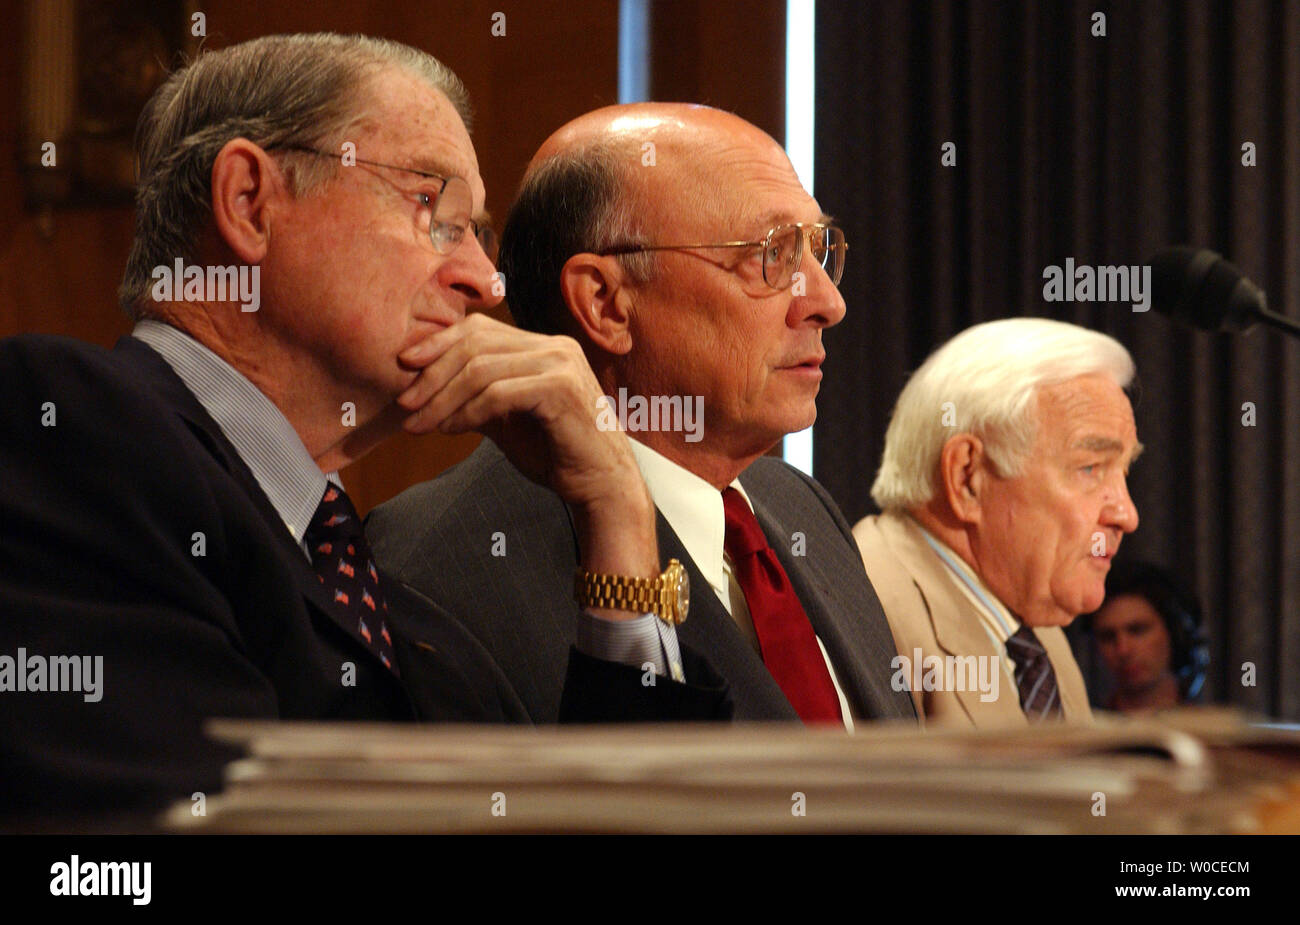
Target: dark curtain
(1102, 149)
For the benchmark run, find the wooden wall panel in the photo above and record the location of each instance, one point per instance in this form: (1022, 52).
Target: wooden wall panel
(727, 53)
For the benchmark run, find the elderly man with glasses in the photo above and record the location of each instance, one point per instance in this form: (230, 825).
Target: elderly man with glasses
(676, 244)
(177, 544)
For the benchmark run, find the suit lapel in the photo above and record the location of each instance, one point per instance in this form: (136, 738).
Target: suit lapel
(153, 369)
(836, 616)
(956, 627)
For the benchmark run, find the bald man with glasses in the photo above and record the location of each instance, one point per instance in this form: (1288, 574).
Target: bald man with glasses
(675, 244)
(174, 526)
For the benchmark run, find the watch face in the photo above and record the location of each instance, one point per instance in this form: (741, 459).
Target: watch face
(683, 593)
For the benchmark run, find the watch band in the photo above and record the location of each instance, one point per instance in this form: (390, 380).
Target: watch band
(660, 595)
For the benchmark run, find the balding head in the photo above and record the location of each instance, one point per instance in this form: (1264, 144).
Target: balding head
(677, 244)
(630, 124)
(674, 128)
(614, 176)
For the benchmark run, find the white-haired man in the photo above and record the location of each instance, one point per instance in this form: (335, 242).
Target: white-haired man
(1004, 492)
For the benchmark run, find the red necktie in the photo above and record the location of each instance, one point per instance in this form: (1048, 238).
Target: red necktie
(785, 637)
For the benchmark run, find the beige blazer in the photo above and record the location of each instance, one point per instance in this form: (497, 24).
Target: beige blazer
(928, 610)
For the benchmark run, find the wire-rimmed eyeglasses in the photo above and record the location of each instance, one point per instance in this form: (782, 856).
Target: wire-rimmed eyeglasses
(782, 250)
(452, 205)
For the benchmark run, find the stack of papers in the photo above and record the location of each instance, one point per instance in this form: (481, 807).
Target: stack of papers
(1188, 773)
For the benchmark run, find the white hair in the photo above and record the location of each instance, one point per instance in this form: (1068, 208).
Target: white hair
(984, 382)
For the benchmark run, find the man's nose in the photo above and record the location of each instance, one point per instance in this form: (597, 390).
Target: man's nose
(469, 271)
(1120, 511)
(815, 296)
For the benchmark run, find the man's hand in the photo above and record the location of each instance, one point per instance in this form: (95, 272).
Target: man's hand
(536, 398)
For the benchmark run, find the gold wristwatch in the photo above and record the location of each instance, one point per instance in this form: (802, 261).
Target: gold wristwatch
(668, 596)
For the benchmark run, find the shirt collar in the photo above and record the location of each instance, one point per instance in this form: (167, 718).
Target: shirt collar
(259, 432)
(995, 615)
(693, 508)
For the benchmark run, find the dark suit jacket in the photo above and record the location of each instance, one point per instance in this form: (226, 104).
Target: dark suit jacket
(439, 537)
(100, 517)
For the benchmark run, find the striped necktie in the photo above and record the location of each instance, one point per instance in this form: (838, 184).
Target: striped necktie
(1036, 680)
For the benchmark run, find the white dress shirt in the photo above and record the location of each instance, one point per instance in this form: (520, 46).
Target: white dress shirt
(693, 508)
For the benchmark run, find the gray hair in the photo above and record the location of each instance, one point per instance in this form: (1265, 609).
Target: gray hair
(576, 202)
(275, 91)
(984, 382)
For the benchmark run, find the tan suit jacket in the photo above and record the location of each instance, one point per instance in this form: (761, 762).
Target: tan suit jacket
(928, 610)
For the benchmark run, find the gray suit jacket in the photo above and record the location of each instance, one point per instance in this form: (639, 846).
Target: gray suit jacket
(439, 537)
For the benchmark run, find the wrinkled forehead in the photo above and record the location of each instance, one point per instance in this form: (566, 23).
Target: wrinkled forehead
(739, 180)
(409, 123)
(1087, 413)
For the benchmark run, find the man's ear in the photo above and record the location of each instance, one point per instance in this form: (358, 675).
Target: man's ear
(245, 180)
(963, 474)
(595, 290)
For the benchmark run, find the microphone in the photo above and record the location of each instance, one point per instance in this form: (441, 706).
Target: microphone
(1199, 287)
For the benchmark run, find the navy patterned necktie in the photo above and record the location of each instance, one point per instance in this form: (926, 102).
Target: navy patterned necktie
(342, 560)
(1036, 680)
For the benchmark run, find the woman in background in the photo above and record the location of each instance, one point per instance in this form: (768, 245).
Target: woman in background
(1148, 632)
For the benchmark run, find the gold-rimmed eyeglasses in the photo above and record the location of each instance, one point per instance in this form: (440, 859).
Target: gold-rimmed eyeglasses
(451, 206)
(782, 250)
